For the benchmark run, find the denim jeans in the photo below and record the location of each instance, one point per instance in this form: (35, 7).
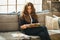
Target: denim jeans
(38, 31)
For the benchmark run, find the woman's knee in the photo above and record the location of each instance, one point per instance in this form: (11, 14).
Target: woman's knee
(44, 27)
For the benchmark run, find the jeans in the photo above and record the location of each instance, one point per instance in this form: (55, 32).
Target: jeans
(38, 31)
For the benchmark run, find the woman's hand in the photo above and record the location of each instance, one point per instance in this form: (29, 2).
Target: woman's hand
(23, 27)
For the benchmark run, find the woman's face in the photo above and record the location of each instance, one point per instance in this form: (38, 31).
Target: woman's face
(29, 9)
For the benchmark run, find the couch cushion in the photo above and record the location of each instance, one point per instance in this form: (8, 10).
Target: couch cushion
(8, 18)
(48, 22)
(55, 23)
(8, 22)
(51, 23)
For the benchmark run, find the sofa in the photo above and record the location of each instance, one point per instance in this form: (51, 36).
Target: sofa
(10, 22)
(9, 25)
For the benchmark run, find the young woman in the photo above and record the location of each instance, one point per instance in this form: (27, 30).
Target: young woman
(29, 17)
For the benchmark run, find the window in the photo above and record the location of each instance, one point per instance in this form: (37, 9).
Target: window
(11, 6)
(3, 9)
(37, 4)
(3, 6)
(8, 6)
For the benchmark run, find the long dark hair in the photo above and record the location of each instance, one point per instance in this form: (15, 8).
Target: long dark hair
(25, 13)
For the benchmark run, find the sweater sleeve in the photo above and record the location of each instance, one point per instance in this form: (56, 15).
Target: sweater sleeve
(21, 21)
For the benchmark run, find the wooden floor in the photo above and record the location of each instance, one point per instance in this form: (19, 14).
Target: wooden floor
(55, 37)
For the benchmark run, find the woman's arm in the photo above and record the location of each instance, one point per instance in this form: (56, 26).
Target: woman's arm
(24, 25)
(21, 23)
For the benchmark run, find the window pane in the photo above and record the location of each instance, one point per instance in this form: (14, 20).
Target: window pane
(11, 1)
(32, 1)
(38, 1)
(3, 9)
(21, 1)
(3, 2)
(38, 8)
(20, 7)
(11, 9)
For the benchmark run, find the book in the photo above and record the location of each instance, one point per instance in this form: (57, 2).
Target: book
(33, 25)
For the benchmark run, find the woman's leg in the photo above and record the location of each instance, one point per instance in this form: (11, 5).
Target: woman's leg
(38, 31)
(44, 33)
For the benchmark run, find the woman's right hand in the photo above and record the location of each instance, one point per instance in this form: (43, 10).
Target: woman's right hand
(23, 27)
